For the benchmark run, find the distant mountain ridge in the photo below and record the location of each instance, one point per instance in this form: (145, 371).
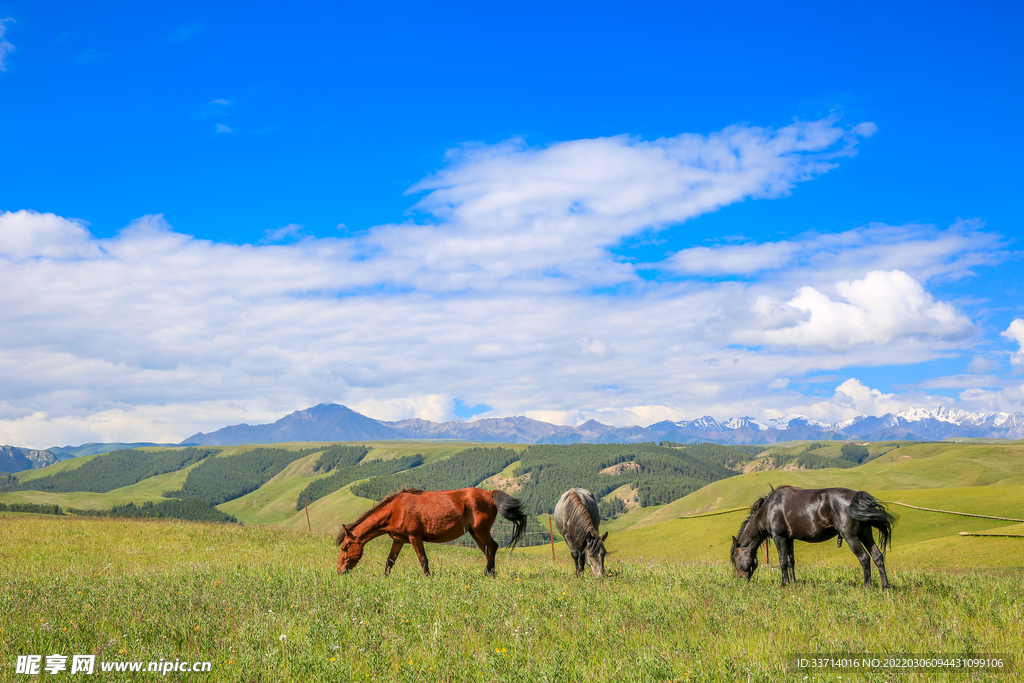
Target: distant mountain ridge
(333, 422)
(14, 459)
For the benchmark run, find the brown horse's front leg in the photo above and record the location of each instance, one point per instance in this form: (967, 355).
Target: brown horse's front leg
(396, 547)
(417, 544)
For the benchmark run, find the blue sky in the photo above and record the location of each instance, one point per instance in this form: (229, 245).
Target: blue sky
(629, 212)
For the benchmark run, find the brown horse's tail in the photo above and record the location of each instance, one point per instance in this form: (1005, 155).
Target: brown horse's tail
(867, 509)
(512, 510)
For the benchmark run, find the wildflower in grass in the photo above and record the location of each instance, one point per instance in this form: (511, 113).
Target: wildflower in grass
(282, 637)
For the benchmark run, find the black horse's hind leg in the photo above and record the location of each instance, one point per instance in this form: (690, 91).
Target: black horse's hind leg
(792, 560)
(865, 560)
(396, 547)
(868, 541)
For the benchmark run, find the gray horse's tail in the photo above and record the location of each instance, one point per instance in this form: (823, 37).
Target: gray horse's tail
(512, 510)
(867, 509)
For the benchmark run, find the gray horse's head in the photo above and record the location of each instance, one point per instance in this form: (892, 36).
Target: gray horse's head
(594, 553)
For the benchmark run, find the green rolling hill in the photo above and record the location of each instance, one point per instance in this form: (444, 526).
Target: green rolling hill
(978, 478)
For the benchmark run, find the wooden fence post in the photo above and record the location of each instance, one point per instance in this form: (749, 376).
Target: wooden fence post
(551, 535)
(305, 506)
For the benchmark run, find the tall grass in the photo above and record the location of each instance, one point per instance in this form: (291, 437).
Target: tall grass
(266, 605)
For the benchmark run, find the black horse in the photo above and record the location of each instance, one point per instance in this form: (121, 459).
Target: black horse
(813, 515)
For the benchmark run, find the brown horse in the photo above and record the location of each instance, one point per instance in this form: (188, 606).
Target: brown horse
(813, 515)
(414, 516)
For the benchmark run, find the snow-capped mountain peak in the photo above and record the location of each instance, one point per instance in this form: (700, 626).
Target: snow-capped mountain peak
(955, 416)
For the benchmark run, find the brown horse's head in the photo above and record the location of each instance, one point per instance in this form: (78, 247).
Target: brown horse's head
(744, 559)
(594, 552)
(351, 550)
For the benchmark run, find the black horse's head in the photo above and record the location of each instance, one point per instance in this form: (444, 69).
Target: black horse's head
(594, 553)
(744, 559)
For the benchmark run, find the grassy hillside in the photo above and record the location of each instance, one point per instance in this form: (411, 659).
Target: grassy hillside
(264, 604)
(925, 466)
(274, 502)
(60, 466)
(329, 513)
(151, 489)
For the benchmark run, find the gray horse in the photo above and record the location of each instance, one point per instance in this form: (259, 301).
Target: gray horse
(577, 519)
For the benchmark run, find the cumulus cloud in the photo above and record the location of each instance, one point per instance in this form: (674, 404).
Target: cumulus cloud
(853, 398)
(1009, 398)
(486, 296)
(27, 234)
(1016, 332)
(881, 307)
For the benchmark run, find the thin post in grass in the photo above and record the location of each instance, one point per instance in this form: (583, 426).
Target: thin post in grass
(305, 506)
(551, 535)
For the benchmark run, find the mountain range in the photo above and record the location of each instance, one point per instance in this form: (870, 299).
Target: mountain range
(333, 422)
(14, 459)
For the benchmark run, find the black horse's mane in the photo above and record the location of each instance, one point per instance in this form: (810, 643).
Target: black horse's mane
(753, 511)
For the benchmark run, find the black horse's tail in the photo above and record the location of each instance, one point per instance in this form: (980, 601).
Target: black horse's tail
(512, 510)
(866, 508)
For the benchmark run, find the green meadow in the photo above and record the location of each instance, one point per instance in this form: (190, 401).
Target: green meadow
(262, 601)
(264, 604)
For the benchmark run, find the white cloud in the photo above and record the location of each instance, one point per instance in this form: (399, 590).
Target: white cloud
(5, 47)
(27, 234)
(221, 128)
(289, 232)
(961, 382)
(552, 213)
(878, 309)
(979, 365)
(1016, 332)
(734, 259)
(1007, 399)
(853, 398)
(152, 334)
(923, 251)
(435, 407)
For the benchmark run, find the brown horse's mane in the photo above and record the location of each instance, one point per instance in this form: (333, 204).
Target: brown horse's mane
(362, 518)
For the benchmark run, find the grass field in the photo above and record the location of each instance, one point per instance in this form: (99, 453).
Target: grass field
(265, 604)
